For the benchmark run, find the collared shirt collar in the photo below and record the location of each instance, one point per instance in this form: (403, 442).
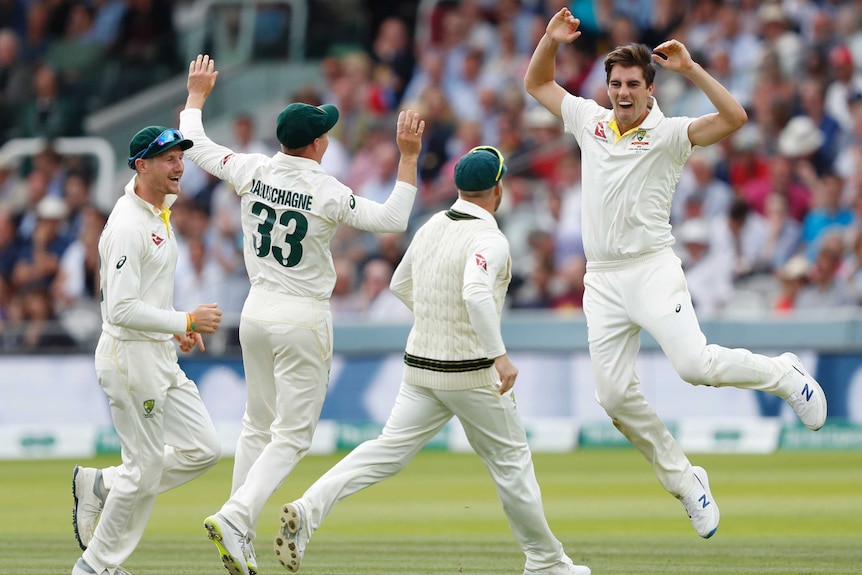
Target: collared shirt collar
(472, 209)
(130, 192)
(298, 162)
(651, 121)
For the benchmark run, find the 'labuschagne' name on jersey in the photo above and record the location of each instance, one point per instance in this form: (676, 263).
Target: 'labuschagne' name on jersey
(287, 198)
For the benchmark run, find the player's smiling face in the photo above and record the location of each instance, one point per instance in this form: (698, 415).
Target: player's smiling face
(165, 171)
(629, 94)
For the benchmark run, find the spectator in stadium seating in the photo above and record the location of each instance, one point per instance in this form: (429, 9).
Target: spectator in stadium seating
(827, 214)
(698, 181)
(744, 159)
(708, 273)
(568, 285)
(391, 48)
(41, 332)
(39, 259)
(812, 96)
(345, 302)
(245, 139)
(779, 36)
(783, 235)
(36, 37)
(826, 288)
(378, 303)
(36, 189)
(145, 50)
(9, 246)
(76, 194)
(51, 113)
(781, 179)
(846, 81)
(76, 58)
(15, 80)
(75, 290)
(792, 277)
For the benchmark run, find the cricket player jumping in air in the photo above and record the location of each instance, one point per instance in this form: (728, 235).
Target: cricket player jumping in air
(632, 158)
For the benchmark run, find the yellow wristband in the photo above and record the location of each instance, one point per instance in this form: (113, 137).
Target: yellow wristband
(190, 322)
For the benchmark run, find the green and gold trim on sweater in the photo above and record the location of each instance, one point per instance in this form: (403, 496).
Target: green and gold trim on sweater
(447, 366)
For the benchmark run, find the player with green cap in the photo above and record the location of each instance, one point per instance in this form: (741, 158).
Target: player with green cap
(454, 277)
(166, 434)
(290, 210)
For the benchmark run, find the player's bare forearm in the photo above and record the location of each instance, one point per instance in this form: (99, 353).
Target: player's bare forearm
(202, 79)
(407, 169)
(710, 128)
(539, 80)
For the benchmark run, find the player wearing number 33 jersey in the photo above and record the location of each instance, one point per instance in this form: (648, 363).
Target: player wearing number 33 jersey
(291, 209)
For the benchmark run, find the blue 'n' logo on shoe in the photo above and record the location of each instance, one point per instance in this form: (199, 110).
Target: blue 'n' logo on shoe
(807, 392)
(703, 500)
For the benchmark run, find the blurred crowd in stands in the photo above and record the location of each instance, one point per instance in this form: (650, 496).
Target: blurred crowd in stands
(767, 222)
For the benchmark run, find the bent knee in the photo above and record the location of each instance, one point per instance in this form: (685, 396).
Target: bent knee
(695, 370)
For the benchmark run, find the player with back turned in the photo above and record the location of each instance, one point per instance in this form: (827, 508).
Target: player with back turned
(454, 277)
(632, 159)
(290, 210)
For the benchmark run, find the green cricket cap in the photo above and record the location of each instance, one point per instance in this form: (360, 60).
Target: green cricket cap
(153, 140)
(479, 169)
(299, 124)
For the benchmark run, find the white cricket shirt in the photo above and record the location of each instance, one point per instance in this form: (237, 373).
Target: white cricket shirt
(628, 183)
(137, 261)
(291, 208)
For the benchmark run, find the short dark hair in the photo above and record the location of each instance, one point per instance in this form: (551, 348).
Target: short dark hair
(632, 56)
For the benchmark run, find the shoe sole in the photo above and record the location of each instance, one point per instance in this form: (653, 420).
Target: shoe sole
(233, 566)
(797, 364)
(701, 475)
(285, 548)
(75, 509)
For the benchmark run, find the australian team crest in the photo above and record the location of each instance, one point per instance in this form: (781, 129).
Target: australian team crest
(149, 404)
(640, 135)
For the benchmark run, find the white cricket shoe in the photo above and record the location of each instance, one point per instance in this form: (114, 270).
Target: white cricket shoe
(564, 567)
(292, 536)
(87, 504)
(806, 396)
(82, 568)
(700, 506)
(230, 542)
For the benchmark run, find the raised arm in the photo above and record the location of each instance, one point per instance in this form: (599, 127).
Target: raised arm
(393, 215)
(539, 80)
(710, 128)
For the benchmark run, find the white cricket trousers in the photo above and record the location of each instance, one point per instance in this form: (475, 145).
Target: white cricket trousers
(495, 432)
(286, 353)
(166, 435)
(651, 293)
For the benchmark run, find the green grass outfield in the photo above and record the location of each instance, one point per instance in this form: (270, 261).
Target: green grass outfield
(790, 513)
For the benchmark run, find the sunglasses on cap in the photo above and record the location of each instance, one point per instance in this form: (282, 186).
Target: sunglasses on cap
(166, 137)
(494, 151)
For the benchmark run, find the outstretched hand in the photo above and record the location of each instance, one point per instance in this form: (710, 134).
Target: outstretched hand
(409, 130)
(202, 79)
(678, 59)
(563, 27)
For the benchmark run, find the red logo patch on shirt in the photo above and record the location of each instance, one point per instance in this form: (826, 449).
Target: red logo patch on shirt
(481, 262)
(226, 158)
(600, 131)
(157, 240)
